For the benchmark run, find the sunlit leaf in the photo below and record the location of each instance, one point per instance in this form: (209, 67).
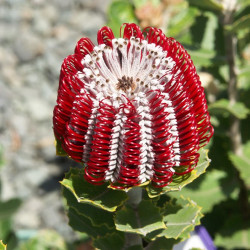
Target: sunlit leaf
(142, 220)
(243, 9)
(180, 181)
(242, 163)
(205, 57)
(99, 196)
(244, 76)
(211, 5)
(241, 23)
(140, 3)
(183, 20)
(209, 35)
(2, 246)
(120, 12)
(180, 218)
(45, 239)
(223, 106)
(208, 191)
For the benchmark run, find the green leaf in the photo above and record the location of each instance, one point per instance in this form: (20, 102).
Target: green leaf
(97, 216)
(197, 29)
(2, 246)
(235, 234)
(140, 3)
(81, 223)
(162, 244)
(210, 5)
(180, 221)
(45, 239)
(205, 57)
(208, 191)
(209, 35)
(243, 78)
(11, 240)
(239, 110)
(202, 56)
(242, 163)
(110, 241)
(241, 23)
(120, 12)
(183, 20)
(135, 247)
(99, 196)
(180, 181)
(8, 208)
(59, 149)
(242, 10)
(142, 220)
(214, 121)
(5, 228)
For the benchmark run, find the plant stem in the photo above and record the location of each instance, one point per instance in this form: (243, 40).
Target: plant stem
(231, 52)
(235, 133)
(135, 197)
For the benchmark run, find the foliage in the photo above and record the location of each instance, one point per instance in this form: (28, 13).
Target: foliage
(169, 217)
(2, 246)
(207, 29)
(45, 239)
(181, 181)
(7, 210)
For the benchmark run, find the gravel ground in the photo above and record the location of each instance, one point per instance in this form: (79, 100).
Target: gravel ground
(35, 37)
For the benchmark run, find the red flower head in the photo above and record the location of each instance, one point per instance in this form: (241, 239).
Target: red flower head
(131, 109)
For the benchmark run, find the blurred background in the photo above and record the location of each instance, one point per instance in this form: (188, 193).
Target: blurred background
(35, 37)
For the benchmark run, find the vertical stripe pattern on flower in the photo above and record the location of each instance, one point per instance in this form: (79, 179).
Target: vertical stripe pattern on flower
(131, 109)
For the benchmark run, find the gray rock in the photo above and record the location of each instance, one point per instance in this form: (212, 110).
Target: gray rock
(28, 214)
(42, 26)
(101, 5)
(10, 36)
(28, 46)
(38, 110)
(35, 176)
(35, 37)
(88, 23)
(20, 124)
(51, 13)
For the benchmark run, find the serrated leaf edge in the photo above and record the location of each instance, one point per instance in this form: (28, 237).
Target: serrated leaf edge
(92, 222)
(90, 218)
(85, 200)
(138, 231)
(191, 178)
(192, 224)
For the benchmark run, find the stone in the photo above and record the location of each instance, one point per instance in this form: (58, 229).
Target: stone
(27, 46)
(38, 109)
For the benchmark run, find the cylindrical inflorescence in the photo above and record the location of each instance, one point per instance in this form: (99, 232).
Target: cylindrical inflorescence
(132, 109)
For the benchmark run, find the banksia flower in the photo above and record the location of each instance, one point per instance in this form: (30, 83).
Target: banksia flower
(131, 109)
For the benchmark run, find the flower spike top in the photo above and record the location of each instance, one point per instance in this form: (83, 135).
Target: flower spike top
(131, 109)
